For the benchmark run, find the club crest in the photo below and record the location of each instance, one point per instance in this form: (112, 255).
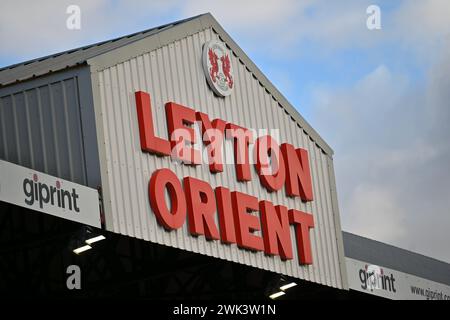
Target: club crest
(217, 67)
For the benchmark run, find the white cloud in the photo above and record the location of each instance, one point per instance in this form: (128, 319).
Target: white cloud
(392, 144)
(374, 212)
(415, 25)
(29, 29)
(425, 20)
(276, 25)
(422, 27)
(257, 16)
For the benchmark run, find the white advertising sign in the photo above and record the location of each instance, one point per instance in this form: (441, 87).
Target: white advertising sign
(392, 284)
(41, 192)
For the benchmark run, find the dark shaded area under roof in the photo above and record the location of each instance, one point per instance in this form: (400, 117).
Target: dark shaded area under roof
(382, 254)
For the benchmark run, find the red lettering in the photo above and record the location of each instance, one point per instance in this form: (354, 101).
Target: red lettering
(179, 118)
(272, 174)
(276, 232)
(298, 180)
(225, 210)
(149, 142)
(160, 181)
(213, 138)
(237, 219)
(245, 223)
(303, 222)
(201, 205)
(242, 138)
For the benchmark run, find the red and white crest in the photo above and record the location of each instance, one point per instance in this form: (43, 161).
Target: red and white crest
(217, 67)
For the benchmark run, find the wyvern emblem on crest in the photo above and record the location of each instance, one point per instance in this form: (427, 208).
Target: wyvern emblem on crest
(218, 68)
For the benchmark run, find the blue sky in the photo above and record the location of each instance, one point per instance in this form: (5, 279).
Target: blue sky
(307, 62)
(378, 97)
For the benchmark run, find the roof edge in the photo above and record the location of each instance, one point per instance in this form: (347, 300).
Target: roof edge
(38, 67)
(187, 28)
(264, 81)
(378, 242)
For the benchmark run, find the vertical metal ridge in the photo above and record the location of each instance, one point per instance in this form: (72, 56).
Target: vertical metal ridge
(113, 198)
(336, 219)
(54, 126)
(67, 128)
(143, 82)
(319, 210)
(80, 129)
(16, 128)
(138, 195)
(123, 110)
(41, 129)
(332, 236)
(323, 208)
(313, 208)
(3, 131)
(28, 128)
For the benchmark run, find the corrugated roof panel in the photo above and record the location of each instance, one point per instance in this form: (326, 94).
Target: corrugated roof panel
(40, 128)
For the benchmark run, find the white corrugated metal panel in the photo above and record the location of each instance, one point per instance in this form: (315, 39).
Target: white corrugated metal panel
(174, 73)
